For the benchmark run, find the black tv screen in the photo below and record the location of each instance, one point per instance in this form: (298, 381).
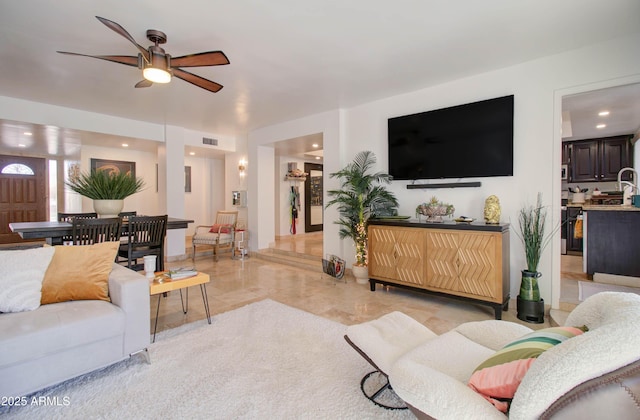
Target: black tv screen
(464, 141)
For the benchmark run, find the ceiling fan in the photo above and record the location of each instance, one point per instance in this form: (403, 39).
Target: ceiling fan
(157, 66)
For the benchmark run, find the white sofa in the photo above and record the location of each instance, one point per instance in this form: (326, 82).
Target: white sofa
(590, 376)
(59, 341)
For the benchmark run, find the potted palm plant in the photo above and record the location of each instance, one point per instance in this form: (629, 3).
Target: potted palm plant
(532, 222)
(360, 198)
(107, 190)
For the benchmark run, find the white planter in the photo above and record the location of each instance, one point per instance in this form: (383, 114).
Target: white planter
(108, 208)
(361, 273)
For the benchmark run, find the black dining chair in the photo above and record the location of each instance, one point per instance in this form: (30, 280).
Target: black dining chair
(145, 236)
(68, 217)
(127, 214)
(93, 231)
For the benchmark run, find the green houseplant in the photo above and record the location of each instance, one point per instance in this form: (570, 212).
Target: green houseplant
(532, 226)
(361, 197)
(103, 186)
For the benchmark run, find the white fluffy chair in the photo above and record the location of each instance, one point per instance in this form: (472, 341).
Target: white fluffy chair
(593, 375)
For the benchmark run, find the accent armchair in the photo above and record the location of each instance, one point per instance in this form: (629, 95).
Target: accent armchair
(592, 374)
(219, 235)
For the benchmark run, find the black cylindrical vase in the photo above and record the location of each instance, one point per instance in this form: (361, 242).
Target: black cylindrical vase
(530, 311)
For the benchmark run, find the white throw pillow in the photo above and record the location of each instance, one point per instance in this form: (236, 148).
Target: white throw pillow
(21, 275)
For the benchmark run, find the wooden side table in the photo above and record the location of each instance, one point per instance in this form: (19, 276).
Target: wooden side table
(157, 287)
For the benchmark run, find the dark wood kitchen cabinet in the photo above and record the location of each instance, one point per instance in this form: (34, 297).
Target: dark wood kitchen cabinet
(599, 160)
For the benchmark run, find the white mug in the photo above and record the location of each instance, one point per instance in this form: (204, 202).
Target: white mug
(150, 265)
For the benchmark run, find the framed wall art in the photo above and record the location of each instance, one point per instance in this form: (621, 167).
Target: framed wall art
(113, 166)
(187, 179)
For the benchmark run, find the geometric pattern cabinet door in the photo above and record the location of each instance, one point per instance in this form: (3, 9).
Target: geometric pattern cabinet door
(397, 253)
(479, 263)
(442, 260)
(464, 263)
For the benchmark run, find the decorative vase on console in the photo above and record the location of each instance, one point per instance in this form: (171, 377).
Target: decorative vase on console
(435, 210)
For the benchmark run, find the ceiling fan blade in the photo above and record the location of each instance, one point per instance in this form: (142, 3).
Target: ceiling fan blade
(209, 58)
(120, 30)
(121, 59)
(196, 80)
(144, 83)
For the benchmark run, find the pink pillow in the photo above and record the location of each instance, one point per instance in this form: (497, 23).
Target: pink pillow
(218, 228)
(497, 378)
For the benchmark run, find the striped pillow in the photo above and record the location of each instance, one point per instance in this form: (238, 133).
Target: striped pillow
(498, 377)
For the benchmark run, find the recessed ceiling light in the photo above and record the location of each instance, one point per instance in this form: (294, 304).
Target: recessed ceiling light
(315, 145)
(125, 145)
(192, 153)
(603, 113)
(317, 157)
(601, 125)
(21, 145)
(28, 133)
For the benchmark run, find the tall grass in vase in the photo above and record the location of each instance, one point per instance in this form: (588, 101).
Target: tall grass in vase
(533, 221)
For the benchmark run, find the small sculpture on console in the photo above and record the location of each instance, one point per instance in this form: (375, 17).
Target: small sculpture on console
(492, 210)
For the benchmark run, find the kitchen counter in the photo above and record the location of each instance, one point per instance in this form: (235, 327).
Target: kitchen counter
(612, 241)
(601, 207)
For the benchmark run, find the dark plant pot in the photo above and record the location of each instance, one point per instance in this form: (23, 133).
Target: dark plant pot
(529, 285)
(529, 311)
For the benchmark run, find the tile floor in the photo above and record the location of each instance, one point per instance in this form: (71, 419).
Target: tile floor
(235, 283)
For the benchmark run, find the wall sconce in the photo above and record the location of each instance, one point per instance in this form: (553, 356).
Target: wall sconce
(242, 165)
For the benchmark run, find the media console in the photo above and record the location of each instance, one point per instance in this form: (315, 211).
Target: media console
(465, 261)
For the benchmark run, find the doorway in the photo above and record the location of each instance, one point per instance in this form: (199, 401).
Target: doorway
(23, 193)
(614, 105)
(313, 204)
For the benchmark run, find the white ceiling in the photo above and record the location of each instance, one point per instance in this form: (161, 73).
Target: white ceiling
(289, 58)
(581, 111)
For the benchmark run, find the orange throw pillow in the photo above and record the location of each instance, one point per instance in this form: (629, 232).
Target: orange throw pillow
(79, 272)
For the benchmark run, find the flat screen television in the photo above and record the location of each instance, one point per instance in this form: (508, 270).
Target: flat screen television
(464, 141)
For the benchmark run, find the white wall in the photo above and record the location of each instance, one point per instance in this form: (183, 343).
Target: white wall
(207, 195)
(537, 140)
(145, 202)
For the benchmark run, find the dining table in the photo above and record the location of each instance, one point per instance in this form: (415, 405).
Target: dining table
(53, 232)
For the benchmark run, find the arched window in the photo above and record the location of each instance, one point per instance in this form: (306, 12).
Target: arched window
(17, 169)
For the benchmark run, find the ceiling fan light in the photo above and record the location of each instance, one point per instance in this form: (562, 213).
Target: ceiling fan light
(156, 75)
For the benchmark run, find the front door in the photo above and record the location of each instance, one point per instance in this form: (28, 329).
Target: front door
(23, 193)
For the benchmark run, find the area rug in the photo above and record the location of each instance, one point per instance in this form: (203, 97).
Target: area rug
(264, 360)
